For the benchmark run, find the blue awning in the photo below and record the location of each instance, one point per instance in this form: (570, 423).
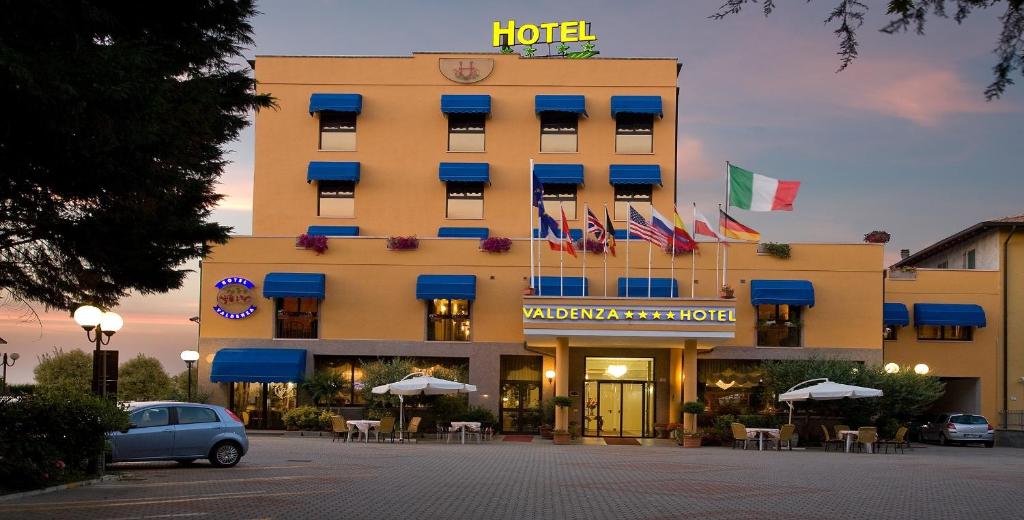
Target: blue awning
(559, 173)
(779, 292)
(294, 285)
(463, 232)
(453, 286)
(464, 172)
(335, 103)
(465, 104)
(258, 365)
(555, 286)
(574, 233)
(634, 174)
(895, 314)
(332, 171)
(637, 105)
(964, 315)
(333, 231)
(574, 103)
(660, 288)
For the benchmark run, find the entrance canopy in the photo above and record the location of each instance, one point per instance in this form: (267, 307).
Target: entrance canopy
(258, 365)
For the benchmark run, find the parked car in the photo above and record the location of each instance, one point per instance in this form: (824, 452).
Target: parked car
(182, 432)
(962, 428)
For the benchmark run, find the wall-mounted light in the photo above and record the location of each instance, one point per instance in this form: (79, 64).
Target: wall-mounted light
(550, 374)
(891, 368)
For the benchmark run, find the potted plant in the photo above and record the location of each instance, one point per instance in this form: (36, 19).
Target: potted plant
(687, 438)
(877, 237)
(777, 250)
(562, 404)
(316, 243)
(690, 411)
(400, 243)
(661, 431)
(727, 292)
(496, 244)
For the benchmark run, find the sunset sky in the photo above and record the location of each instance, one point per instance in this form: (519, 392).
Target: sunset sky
(901, 141)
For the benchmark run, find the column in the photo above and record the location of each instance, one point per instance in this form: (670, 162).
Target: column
(690, 379)
(675, 378)
(562, 380)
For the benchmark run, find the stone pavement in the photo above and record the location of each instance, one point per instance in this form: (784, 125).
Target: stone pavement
(289, 478)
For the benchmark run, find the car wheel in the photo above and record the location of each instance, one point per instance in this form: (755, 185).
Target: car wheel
(185, 462)
(225, 454)
(989, 444)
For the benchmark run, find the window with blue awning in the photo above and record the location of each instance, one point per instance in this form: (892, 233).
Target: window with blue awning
(782, 292)
(559, 173)
(447, 286)
(659, 288)
(333, 231)
(463, 232)
(464, 172)
(637, 105)
(332, 171)
(294, 285)
(895, 314)
(258, 365)
(634, 174)
(575, 104)
(466, 104)
(560, 286)
(952, 314)
(335, 103)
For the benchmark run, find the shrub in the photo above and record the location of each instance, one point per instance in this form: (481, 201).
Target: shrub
(61, 370)
(496, 244)
(777, 250)
(401, 243)
(49, 438)
(478, 414)
(561, 401)
(142, 378)
(306, 418)
(693, 407)
(316, 243)
(324, 386)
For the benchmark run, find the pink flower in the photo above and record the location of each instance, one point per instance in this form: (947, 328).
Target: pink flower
(59, 464)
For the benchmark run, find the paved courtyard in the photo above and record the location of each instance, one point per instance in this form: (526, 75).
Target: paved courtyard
(287, 477)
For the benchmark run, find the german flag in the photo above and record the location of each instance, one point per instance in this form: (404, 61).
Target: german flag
(732, 228)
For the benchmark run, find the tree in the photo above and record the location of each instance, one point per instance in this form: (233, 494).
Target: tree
(111, 142)
(848, 17)
(64, 371)
(142, 378)
(324, 386)
(179, 388)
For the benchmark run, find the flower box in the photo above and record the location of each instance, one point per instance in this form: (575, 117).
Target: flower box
(403, 243)
(316, 243)
(496, 245)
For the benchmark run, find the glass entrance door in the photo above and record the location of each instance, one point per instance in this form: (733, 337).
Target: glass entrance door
(618, 409)
(520, 407)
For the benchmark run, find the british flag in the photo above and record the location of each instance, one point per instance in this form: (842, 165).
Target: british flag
(638, 226)
(595, 226)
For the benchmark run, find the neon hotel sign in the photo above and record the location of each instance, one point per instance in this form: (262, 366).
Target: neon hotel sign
(586, 313)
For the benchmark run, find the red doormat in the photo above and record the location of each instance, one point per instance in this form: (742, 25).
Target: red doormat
(518, 438)
(620, 441)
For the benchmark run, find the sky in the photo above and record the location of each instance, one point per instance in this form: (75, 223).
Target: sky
(902, 141)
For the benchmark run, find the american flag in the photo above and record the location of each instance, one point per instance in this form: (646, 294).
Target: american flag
(594, 226)
(638, 226)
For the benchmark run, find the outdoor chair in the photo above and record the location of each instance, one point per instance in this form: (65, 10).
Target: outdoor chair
(838, 428)
(442, 431)
(899, 442)
(866, 436)
(385, 429)
(412, 430)
(339, 427)
(828, 440)
(739, 434)
(473, 432)
(785, 436)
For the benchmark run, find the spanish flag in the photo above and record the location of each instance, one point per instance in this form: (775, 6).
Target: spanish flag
(731, 228)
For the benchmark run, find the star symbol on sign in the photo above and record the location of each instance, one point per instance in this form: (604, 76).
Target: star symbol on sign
(670, 315)
(629, 315)
(657, 315)
(643, 315)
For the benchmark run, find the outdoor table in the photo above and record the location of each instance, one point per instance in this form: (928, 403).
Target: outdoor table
(760, 435)
(461, 426)
(364, 427)
(849, 435)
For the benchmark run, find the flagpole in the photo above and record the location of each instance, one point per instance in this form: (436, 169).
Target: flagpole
(607, 232)
(629, 228)
(561, 265)
(586, 226)
(675, 211)
(693, 256)
(533, 273)
(650, 249)
(725, 252)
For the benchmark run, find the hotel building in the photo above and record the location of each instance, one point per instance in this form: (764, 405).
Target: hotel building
(438, 146)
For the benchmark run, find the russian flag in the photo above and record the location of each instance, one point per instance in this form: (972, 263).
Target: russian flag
(682, 241)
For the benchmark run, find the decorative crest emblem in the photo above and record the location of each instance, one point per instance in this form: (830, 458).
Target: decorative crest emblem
(461, 70)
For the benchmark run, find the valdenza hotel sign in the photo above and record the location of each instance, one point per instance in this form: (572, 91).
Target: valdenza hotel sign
(684, 315)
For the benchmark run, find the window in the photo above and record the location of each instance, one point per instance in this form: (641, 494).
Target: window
(945, 332)
(150, 417)
(558, 132)
(558, 197)
(465, 200)
(778, 326)
(448, 320)
(634, 133)
(970, 259)
(195, 415)
(639, 195)
(296, 318)
(889, 332)
(336, 199)
(943, 265)
(466, 132)
(338, 131)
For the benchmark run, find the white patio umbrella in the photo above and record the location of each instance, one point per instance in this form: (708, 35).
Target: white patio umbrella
(824, 391)
(419, 383)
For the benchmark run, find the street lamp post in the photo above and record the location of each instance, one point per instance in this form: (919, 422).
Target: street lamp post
(14, 357)
(189, 357)
(104, 325)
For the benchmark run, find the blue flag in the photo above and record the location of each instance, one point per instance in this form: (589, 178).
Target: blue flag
(538, 191)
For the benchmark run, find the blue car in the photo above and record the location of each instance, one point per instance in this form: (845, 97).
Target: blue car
(181, 432)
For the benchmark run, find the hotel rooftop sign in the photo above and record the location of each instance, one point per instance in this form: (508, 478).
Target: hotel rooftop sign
(509, 34)
(623, 318)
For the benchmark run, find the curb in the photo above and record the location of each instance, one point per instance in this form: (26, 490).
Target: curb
(62, 487)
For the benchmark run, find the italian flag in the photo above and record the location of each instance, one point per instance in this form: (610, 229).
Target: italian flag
(753, 192)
